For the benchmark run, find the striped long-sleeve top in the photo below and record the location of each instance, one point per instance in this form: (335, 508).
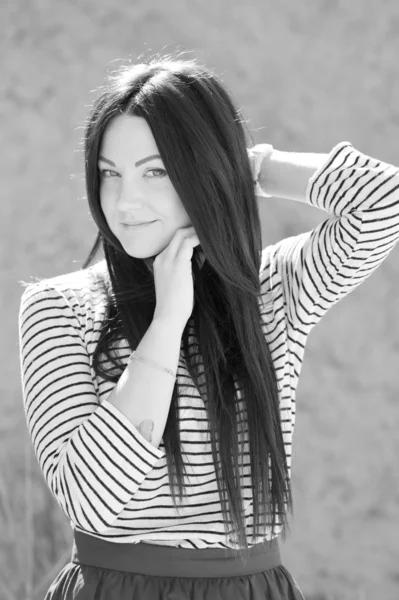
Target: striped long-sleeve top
(107, 478)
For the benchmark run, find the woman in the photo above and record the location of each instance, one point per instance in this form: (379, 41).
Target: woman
(211, 317)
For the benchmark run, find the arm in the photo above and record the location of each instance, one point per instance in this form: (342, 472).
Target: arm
(286, 174)
(92, 456)
(317, 268)
(143, 394)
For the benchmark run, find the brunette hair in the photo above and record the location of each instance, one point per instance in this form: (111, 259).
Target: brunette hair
(201, 139)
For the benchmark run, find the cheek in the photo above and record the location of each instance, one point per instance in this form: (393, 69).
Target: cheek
(106, 207)
(106, 196)
(103, 205)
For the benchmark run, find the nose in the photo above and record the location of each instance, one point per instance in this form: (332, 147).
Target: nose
(130, 198)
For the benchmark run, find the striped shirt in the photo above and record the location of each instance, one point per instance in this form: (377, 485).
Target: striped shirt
(107, 478)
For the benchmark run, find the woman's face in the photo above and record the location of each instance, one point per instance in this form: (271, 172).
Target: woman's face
(134, 186)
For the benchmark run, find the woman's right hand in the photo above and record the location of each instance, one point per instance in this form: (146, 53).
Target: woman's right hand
(173, 277)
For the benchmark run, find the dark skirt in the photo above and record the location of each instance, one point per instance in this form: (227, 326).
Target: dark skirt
(102, 570)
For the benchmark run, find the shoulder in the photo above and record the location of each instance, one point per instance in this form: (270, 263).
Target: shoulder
(83, 291)
(272, 273)
(267, 271)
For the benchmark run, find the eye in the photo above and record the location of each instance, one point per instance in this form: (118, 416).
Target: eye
(103, 171)
(162, 171)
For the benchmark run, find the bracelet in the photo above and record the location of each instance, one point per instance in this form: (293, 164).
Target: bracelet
(256, 155)
(150, 362)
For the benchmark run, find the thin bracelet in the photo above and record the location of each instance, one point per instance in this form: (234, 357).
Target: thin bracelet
(256, 155)
(151, 363)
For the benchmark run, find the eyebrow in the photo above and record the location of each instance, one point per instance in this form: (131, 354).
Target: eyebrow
(137, 164)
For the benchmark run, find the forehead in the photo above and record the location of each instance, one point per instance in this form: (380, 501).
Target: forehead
(128, 134)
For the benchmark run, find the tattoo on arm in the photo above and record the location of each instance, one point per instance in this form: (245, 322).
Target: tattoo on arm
(146, 428)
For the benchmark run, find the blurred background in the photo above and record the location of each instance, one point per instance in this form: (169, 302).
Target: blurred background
(306, 75)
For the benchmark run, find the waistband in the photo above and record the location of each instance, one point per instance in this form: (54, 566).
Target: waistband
(169, 561)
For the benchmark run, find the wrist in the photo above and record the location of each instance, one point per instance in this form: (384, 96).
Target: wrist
(260, 156)
(167, 322)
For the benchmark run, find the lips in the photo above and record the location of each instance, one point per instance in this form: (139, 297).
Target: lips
(140, 223)
(137, 228)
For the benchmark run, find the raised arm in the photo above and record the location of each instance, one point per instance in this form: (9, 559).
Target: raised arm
(317, 268)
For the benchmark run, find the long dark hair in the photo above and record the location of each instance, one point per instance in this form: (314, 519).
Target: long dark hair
(201, 140)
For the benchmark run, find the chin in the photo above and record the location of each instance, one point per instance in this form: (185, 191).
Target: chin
(136, 253)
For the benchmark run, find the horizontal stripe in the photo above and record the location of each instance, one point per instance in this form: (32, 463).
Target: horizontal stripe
(106, 477)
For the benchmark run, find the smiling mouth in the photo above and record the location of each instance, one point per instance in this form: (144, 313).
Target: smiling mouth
(138, 226)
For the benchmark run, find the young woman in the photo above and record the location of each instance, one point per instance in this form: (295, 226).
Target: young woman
(159, 381)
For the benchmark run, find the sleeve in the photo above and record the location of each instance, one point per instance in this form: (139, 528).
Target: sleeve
(92, 457)
(318, 268)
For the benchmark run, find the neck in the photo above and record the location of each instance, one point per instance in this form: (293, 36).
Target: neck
(149, 262)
